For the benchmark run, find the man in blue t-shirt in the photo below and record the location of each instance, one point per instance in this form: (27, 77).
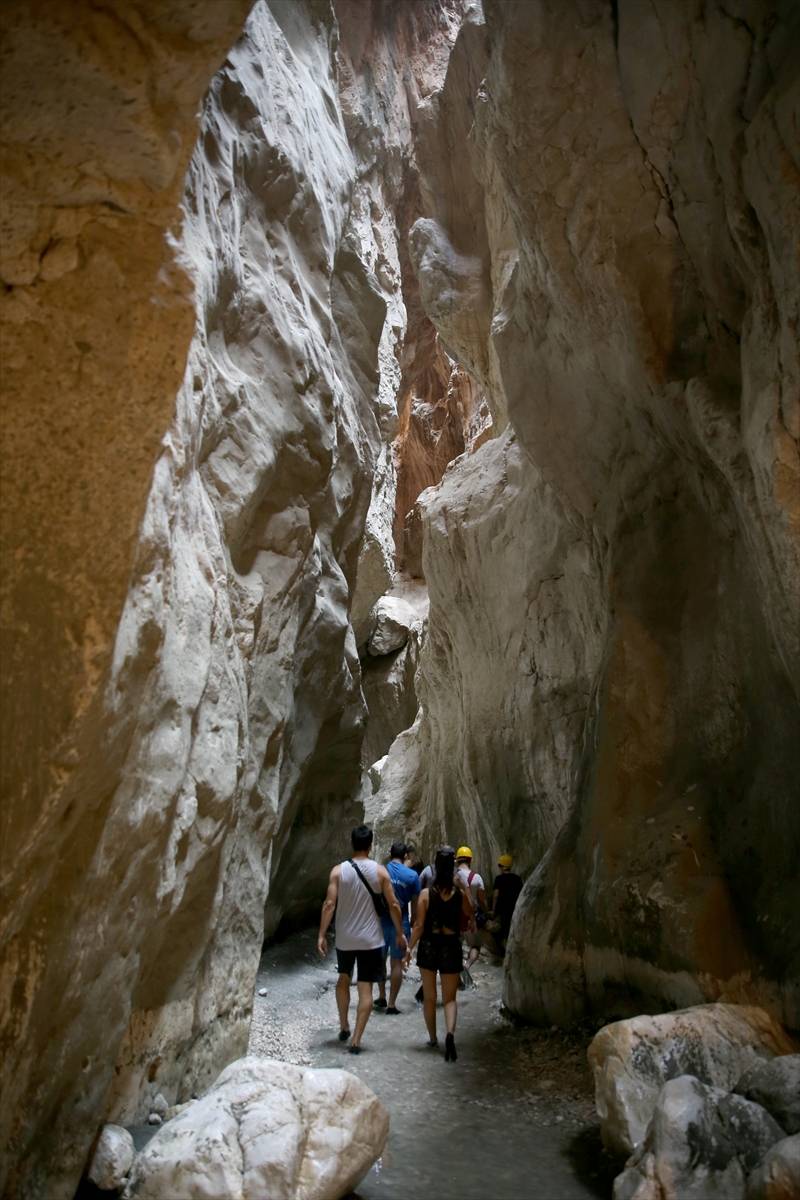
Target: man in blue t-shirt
(405, 882)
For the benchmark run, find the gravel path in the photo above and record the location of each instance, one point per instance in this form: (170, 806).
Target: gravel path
(513, 1119)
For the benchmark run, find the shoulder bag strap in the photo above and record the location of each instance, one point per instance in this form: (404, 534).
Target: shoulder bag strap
(361, 877)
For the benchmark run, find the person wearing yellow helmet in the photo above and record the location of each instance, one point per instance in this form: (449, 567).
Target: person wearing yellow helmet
(505, 893)
(473, 883)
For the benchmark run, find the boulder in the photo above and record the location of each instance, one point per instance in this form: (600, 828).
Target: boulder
(112, 1158)
(631, 1060)
(392, 621)
(777, 1177)
(701, 1145)
(775, 1085)
(266, 1128)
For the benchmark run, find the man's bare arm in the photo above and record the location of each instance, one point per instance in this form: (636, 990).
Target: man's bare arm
(328, 909)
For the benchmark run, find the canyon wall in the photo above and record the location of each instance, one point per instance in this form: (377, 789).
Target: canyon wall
(616, 262)
(580, 217)
(184, 713)
(99, 112)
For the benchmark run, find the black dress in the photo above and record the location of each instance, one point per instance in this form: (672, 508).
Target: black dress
(439, 951)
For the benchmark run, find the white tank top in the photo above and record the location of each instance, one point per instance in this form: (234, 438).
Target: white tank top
(358, 926)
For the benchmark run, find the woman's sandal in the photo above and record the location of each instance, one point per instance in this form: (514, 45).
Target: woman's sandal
(450, 1052)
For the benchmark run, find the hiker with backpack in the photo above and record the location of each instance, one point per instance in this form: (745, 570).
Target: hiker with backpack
(437, 931)
(359, 892)
(472, 928)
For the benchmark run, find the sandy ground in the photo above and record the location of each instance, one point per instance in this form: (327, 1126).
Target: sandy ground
(513, 1119)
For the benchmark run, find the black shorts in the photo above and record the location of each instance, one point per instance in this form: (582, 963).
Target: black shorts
(441, 952)
(370, 963)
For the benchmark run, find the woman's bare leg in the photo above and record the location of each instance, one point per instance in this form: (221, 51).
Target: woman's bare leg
(429, 1001)
(449, 994)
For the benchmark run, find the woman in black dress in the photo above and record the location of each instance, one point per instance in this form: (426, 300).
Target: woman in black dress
(436, 928)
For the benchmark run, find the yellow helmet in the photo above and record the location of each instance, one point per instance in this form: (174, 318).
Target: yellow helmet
(505, 860)
(463, 852)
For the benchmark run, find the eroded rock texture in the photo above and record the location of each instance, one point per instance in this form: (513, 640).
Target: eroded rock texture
(169, 786)
(601, 204)
(266, 1128)
(716, 1043)
(666, 409)
(99, 111)
(501, 724)
(616, 264)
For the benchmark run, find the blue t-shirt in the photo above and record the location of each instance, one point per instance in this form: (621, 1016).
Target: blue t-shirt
(406, 886)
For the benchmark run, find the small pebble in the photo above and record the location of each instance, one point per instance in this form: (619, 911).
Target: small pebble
(154, 1119)
(262, 991)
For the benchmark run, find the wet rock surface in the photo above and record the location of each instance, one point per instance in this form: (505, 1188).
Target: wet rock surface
(778, 1176)
(775, 1085)
(702, 1144)
(513, 1113)
(715, 1043)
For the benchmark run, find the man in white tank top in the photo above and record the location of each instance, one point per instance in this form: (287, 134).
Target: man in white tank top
(352, 889)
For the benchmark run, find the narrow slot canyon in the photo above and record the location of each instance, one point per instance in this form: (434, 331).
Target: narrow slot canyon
(401, 427)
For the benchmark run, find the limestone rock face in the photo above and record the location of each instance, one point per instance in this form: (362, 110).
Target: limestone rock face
(701, 1145)
(162, 780)
(528, 604)
(442, 415)
(271, 460)
(376, 559)
(631, 1060)
(266, 1129)
(612, 263)
(99, 118)
(777, 1177)
(388, 669)
(389, 686)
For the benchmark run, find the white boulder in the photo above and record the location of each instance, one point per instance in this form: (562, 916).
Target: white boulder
(112, 1158)
(266, 1128)
(632, 1060)
(393, 618)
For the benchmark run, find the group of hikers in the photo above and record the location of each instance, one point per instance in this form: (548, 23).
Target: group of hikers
(384, 912)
